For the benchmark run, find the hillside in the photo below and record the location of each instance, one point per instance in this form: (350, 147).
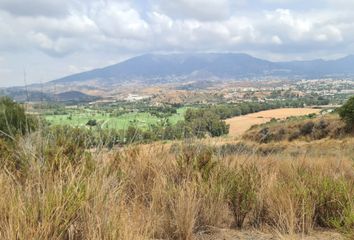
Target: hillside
(180, 190)
(157, 68)
(24, 95)
(74, 96)
(81, 183)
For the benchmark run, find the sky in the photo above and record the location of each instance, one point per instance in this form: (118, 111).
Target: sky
(48, 39)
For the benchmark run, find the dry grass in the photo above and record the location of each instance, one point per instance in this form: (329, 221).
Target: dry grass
(303, 129)
(151, 192)
(239, 125)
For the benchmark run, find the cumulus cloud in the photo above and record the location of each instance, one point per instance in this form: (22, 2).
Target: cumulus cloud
(194, 9)
(110, 29)
(120, 20)
(35, 7)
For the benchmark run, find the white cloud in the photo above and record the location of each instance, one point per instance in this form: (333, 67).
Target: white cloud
(195, 9)
(296, 28)
(304, 28)
(277, 40)
(35, 7)
(110, 29)
(347, 5)
(120, 20)
(59, 46)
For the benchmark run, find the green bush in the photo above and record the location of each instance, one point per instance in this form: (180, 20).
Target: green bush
(13, 119)
(241, 191)
(205, 121)
(346, 112)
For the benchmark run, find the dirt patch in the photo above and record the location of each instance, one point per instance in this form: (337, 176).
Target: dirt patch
(227, 234)
(239, 125)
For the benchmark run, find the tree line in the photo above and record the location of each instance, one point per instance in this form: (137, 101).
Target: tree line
(198, 122)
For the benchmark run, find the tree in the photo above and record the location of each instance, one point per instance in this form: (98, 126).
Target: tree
(13, 119)
(346, 112)
(202, 121)
(91, 123)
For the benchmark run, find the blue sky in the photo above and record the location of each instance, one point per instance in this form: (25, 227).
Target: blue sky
(54, 38)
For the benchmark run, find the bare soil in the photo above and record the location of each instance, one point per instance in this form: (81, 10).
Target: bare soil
(239, 125)
(227, 234)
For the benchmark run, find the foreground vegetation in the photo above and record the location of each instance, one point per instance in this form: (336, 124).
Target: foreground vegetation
(63, 183)
(56, 189)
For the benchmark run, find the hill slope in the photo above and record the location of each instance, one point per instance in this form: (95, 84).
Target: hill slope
(152, 68)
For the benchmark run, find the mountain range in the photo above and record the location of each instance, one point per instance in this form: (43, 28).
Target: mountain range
(155, 68)
(22, 95)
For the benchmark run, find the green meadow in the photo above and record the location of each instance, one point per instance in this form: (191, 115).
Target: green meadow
(79, 118)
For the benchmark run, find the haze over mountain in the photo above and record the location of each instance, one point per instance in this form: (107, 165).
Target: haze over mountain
(154, 68)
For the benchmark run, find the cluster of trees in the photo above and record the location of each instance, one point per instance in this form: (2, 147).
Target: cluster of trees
(205, 121)
(313, 99)
(163, 111)
(225, 111)
(197, 123)
(158, 111)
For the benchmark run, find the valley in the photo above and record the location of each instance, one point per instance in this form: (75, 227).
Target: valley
(176, 120)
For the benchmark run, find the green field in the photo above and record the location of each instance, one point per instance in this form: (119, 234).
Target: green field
(80, 117)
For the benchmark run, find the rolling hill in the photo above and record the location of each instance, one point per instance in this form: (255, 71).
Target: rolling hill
(20, 95)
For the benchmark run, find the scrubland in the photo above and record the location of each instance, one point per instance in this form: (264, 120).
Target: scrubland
(54, 187)
(290, 179)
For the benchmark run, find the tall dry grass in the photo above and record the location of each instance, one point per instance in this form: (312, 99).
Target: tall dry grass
(59, 190)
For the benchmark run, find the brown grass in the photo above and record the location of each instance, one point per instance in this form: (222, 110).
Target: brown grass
(151, 192)
(239, 125)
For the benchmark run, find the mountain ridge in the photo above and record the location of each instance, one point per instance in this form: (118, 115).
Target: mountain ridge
(149, 68)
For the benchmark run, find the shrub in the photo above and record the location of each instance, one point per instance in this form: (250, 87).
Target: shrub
(241, 191)
(265, 135)
(320, 130)
(295, 135)
(306, 129)
(346, 112)
(91, 123)
(334, 205)
(196, 157)
(13, 119)
(235, 149)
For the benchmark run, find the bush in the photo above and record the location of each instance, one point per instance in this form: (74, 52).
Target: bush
(241, 191)
(91, 123)
(295, 135)
(306, 129)
(13, 119)
(333, 206)
(346, 112)
(195, 157)
(320, 130)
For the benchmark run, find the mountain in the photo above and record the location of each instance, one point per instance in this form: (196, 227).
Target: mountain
(154, 68)
(74, 96)
(20, 95)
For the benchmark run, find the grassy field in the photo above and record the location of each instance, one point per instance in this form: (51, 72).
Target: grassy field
(182, 191)
(63, 183)
(81, 117)
(240, 124)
